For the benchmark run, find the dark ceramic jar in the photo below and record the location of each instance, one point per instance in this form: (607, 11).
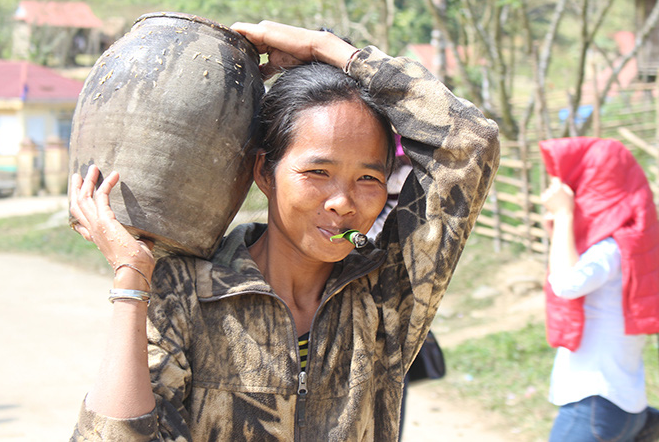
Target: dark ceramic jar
(171, 106)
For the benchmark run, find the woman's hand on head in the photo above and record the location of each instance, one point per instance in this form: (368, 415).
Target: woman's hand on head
(289, 46)
(558, 197)
(97, 223)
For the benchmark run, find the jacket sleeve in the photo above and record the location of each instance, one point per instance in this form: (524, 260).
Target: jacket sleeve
(169, 335)
(454, 150)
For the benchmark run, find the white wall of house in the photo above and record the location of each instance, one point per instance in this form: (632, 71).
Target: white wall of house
(11, 133)
(36, 122)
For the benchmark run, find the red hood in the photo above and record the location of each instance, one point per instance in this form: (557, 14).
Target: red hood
(612, 197)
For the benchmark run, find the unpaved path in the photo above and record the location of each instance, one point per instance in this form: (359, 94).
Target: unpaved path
(51, 318)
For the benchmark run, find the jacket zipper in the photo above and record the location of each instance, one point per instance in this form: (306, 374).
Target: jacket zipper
(303, 389)
(301, 398)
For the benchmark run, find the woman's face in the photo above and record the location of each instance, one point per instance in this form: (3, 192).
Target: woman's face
(332, 178)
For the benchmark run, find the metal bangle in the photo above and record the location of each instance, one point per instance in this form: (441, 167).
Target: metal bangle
(129, 295)
(131, 266)
(346, 67)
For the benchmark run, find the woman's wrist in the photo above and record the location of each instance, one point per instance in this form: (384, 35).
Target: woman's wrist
(128, 278)
(331, 49)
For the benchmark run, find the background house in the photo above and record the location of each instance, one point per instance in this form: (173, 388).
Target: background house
(55, 32)
(36, 108)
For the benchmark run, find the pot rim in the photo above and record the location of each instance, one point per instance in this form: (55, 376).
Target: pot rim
(204, 21)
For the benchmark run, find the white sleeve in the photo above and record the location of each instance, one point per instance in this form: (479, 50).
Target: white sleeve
(593, 270)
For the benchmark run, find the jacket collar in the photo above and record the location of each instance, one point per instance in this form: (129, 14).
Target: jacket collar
(234, 272)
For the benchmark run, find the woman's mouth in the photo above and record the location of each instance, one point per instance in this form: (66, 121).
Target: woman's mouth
(329, 231)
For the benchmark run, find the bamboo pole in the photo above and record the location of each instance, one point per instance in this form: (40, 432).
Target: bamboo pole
(656, 144)
(597, 129)
(511, 162)
(497, 220)
(639, 142)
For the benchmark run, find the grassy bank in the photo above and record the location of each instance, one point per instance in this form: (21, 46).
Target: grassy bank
(49, 235)
(508, 374)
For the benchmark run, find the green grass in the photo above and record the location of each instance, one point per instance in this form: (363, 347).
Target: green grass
(508, 373)
(49, 235)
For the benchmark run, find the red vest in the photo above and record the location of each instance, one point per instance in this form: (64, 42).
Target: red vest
(612, 197)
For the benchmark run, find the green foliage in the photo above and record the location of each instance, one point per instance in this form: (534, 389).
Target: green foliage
(255, 200)
(651, 361)
(412, 24)
(7, 10)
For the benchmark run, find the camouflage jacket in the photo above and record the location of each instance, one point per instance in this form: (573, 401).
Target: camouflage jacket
(223, 352)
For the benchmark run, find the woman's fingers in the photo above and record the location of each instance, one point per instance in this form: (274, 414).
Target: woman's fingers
(298, 44)
(81, 220)
(558, 196)
(91, 206)
(146, 244)
(89, 183)
(255, 33)
(102, 195)
(270, 37)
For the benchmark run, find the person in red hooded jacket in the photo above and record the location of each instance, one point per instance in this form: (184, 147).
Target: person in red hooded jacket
(602, 290)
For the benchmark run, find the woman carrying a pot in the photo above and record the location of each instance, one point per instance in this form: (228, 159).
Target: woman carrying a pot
(289, 332)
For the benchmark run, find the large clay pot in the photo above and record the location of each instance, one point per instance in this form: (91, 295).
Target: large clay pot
(171, 106)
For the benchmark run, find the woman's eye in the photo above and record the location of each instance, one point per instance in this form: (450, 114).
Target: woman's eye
(369, 178)
(317, 172)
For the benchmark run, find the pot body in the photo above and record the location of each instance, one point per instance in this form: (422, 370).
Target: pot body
(171, 106)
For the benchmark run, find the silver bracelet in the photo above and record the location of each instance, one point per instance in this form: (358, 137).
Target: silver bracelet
(129, 295)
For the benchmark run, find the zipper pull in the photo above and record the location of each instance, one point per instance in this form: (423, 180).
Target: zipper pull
(302, 397)
(302, 384)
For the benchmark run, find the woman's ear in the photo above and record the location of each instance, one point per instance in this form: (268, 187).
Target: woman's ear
(261, 176)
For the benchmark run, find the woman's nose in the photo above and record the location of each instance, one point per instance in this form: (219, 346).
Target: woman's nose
(341, 201)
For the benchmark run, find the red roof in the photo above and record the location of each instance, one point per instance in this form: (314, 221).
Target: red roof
(58, 14)
(33, 83)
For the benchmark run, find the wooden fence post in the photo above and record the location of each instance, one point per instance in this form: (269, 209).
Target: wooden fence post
(497, 220)
(597, 128)
(526, 189)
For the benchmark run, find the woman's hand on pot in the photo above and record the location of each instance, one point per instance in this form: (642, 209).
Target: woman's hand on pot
(289, 46)
(96, 222)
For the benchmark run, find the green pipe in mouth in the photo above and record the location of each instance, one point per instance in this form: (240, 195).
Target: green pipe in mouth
(355, 237)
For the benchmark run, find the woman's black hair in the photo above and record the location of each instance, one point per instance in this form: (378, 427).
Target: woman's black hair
(304, 87)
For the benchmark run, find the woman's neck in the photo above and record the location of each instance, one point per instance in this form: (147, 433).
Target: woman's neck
(298, 281)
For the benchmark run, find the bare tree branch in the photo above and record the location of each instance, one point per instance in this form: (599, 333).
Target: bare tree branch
(641, 37)
(586, 40)
(440, 23)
